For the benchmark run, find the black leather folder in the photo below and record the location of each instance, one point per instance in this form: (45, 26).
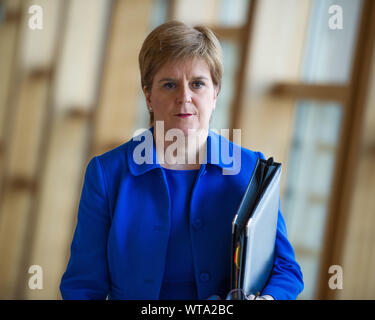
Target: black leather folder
(254, 228)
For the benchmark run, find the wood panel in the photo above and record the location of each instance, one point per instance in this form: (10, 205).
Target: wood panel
(28, 125)
(8, 39)
(65, 154)
(245, 45)
(116, 114)
(358, 249)
(56, 211)
(319, 92)
(266, 120)
(346, 166)
(19, 179)
(358, 260)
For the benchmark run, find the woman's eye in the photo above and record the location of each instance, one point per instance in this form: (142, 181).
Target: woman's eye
(198, 84)
(169, 85)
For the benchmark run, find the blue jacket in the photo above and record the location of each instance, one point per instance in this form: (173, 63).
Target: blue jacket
(120, 242)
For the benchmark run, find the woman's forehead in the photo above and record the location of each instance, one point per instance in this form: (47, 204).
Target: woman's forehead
(193, 67)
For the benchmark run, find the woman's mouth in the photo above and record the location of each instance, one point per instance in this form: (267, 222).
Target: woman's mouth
(183, 115)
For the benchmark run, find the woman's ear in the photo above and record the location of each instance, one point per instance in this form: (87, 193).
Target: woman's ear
(216, 92)
(147, 94)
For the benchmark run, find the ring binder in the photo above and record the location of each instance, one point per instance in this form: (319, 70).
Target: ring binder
(254, 228)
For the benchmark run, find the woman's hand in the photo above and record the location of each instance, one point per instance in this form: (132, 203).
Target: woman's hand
(214, 297)
(253, 297)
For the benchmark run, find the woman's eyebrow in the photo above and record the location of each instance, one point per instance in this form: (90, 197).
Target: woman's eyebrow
(167, 79)
(195, 78)
(200, 77)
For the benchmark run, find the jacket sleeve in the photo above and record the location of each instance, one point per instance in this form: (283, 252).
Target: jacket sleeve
(286, 280)
(86, 276)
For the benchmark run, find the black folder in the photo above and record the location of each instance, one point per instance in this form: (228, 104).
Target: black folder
(254, 229)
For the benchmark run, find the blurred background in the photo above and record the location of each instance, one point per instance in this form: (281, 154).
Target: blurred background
(298, 81)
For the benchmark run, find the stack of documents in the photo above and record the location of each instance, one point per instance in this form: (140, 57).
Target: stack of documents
(254, 229)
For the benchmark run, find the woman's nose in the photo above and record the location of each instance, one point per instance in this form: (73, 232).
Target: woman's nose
(184, 95)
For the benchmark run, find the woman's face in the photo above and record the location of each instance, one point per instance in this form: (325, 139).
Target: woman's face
(183, 95)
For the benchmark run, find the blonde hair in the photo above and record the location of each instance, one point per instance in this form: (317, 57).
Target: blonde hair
(175, 41)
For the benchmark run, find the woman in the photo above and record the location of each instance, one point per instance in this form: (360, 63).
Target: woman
(161, 228)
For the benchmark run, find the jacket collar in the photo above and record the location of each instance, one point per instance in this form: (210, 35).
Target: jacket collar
(151, 162)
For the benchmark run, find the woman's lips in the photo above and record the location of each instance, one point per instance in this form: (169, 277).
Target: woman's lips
(183, 115)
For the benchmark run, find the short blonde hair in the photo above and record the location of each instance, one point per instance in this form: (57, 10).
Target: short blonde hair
(174, 41)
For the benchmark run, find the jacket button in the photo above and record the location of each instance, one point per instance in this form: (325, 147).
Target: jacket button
(197, 224)
(204, 276)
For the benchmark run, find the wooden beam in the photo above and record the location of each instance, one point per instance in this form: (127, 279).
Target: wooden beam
(10, 31)
(347, 155)
(80, 113)
(13, 17)
(307, 91)
(171, 10)
(22, 183)
(247, 35)
(234, 34)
